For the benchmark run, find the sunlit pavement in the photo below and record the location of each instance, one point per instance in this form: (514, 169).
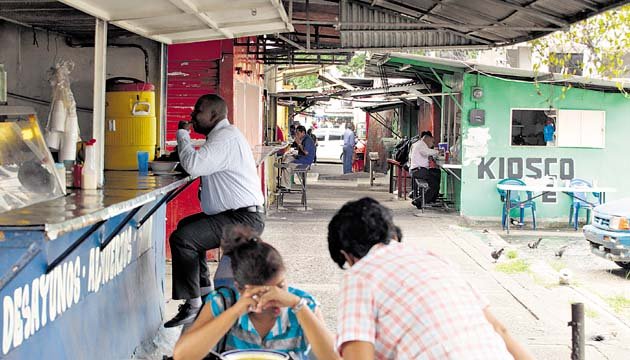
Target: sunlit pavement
(531, 303)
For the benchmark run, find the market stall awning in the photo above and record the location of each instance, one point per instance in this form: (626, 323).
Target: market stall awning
(407, 66)
(180, 21)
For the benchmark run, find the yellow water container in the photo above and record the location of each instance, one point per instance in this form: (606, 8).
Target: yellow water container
(130, 122)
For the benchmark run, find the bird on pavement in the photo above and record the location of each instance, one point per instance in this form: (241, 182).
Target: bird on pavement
(565, 276)
(496, 254)
(534, 244)
(561, 251)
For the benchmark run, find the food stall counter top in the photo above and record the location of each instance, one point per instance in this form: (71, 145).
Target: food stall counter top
(261, 152)
(123, 191)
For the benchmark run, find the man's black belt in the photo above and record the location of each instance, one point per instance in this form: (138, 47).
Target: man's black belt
(252, 209)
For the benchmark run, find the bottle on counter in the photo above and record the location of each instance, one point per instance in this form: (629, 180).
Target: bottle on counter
(60, 168)
(77, 170)
(88, 175)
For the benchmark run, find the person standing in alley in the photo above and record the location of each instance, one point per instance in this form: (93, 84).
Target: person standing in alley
(402, 302)
(310, 133)
(230, 193)
(348, 148)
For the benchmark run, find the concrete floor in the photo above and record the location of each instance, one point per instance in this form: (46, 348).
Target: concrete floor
(534, 308)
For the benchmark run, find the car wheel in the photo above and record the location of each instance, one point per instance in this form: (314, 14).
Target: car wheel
(625, 265)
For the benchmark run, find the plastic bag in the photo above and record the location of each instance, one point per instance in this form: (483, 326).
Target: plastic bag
(62, 129)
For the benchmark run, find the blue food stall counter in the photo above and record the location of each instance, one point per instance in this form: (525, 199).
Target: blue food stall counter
(82, 275)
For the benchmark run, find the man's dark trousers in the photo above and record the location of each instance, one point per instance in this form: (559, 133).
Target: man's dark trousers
(195, 234)
(433, 178)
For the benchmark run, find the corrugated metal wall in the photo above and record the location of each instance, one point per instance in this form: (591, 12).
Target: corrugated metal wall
(187, 80)
(193, 70)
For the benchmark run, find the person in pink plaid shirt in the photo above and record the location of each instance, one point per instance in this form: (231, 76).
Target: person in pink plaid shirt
(402, 302)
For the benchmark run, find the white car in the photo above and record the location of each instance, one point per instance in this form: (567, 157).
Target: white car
(329, 144)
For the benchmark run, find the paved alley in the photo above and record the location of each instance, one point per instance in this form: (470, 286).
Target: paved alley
(530, 303)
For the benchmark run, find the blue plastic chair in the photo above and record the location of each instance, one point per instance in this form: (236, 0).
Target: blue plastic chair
(516, 202)
(580, 202)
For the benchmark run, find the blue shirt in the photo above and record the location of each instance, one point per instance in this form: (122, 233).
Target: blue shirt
(309, 147)
(348, 139)
(286, 335)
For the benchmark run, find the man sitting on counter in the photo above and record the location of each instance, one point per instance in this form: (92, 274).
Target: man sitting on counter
(230, 193)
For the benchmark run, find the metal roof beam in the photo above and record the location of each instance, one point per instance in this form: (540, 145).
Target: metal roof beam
(370, 26)
(289, 41)
(531, 11)
(591, 5)
(189, 7)
(248, 23)
(334, 81)
(422, 13)
(457, 22)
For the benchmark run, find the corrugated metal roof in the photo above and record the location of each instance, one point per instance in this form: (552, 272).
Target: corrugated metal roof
(386, 24)
(394, 60)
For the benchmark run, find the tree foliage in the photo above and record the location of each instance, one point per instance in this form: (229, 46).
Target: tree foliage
(604, 39)
(305, 82)
(355, 67)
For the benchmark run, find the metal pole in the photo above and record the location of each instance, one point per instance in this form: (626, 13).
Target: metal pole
(308, 27)
(98, 116)
(161, 140)
(442, 123)
(577, 331)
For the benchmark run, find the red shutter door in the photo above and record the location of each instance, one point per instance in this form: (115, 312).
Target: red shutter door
(193, 70)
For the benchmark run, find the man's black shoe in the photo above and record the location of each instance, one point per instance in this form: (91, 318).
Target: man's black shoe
(417, 203)
(186, 314)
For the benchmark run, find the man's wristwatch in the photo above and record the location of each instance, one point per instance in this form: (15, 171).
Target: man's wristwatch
(297, 307)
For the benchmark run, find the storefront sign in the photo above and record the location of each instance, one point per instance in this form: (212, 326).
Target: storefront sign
(519, 168)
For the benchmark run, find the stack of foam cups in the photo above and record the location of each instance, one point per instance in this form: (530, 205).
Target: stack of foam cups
(56, 125)
(68, 149)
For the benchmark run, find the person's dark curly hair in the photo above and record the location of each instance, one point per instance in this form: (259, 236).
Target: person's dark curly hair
(358, 226)
(253, 261)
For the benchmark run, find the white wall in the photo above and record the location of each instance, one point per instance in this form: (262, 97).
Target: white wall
(27, 67)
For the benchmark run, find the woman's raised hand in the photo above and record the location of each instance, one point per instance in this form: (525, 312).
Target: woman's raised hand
(249, 299)
(273, 296)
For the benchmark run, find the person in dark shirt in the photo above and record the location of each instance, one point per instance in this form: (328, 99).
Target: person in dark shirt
(305, 156)
(314, 137)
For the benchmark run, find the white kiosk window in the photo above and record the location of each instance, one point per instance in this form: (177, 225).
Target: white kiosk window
(581, 128)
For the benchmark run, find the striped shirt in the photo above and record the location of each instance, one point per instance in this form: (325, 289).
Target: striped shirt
(410, 304)
(225, 162)
(285, 336)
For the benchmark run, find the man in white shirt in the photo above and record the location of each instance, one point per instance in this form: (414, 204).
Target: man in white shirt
(230, 194)
(419, 168)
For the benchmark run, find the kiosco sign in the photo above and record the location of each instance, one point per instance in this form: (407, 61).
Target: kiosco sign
(518, 168)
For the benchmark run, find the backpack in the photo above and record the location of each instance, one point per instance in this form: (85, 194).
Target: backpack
(402, 149)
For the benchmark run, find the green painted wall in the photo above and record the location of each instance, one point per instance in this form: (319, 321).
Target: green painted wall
(609, 166)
